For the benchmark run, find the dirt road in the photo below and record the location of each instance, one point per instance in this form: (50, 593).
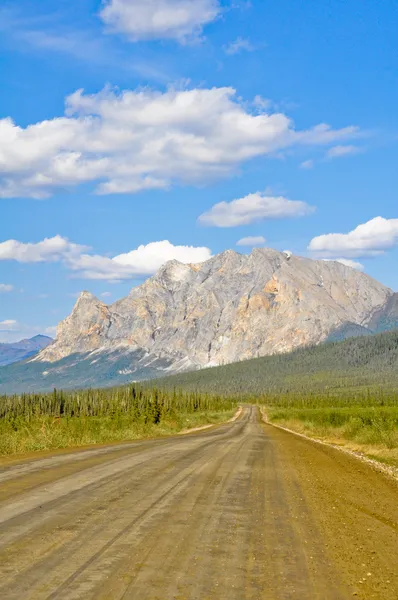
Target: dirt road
(240, 512)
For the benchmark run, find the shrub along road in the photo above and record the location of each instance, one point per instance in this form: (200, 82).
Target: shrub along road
(241, 511)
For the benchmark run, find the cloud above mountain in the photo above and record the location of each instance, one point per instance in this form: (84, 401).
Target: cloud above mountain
(252, 208)
(368, 239)
(134, 140)
(143, 261)
(251, 241)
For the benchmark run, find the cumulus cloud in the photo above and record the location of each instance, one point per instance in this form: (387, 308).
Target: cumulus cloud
(251, 208)
(369, 239)
(239, 45)
(338, 151)
(145, 260)
(348, 263)
(251, 241)
(180, 20)
(124, 142)
(48, 250)
(6, 288)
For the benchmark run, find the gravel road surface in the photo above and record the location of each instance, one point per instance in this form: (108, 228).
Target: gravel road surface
(242, 511)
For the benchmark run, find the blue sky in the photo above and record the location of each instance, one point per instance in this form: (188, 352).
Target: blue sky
(198, 124)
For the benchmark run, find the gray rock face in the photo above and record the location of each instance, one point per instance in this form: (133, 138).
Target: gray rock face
(229, 308)
(386, 319)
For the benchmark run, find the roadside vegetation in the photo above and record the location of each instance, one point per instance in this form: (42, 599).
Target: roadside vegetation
(372, 431)
(341, 392)
(34, 422)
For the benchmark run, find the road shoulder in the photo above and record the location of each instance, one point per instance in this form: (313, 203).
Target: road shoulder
(355, 508)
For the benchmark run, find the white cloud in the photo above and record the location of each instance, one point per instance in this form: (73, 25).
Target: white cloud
(307, 164)
(8, 325)
(48, 250)
(369, 239)
(263, 104)
(348, 263)
(124, 142)
(251, 241)
(145, 260)
(239, 45)
(179, 20)
(338, 151)
(5, 288)
(106, 294)
(251, 208)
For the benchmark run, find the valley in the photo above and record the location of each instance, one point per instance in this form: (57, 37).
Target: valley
(102, 498)
(198, 300)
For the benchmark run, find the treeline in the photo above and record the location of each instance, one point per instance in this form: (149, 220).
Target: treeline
(148, 405)
(363, 370)
(358, 372)
(369, 397)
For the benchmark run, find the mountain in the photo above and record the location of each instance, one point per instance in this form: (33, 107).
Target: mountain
(386, 318)
(14, 352)
(78, 371)
(226, 309)
(229, 308)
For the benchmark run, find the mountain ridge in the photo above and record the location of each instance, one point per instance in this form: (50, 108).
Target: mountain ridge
(16, 351)
(230, 308)
(217, 311)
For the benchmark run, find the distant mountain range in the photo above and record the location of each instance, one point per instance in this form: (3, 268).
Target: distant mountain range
(16, 351)
(227, 309)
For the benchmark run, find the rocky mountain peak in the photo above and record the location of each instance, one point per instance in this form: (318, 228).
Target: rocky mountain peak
(173, 271)
(82, 331)
(231, 307)
(85, 297)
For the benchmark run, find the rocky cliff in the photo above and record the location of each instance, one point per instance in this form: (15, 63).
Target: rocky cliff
(229, 308)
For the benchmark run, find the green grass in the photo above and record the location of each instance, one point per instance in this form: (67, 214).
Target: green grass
(21, 436)
(33, 422)
(369, 428)
(342, 390)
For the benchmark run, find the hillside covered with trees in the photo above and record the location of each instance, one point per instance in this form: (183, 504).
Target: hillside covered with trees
(355, 368)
